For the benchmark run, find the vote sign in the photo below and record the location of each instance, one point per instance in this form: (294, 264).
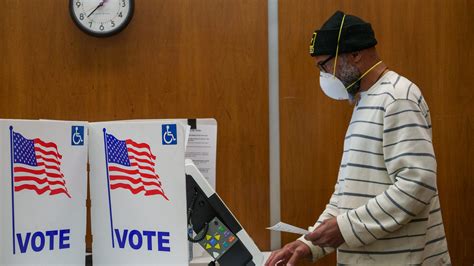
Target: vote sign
(138, 193)
(42, 192)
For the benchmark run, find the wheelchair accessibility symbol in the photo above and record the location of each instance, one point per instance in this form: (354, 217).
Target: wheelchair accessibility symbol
(77, 136)
(169, 134)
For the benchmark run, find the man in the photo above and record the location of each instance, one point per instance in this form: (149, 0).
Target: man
(385, 208)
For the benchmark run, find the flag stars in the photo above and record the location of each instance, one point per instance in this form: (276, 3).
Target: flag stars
(117, 151)
(23, 150)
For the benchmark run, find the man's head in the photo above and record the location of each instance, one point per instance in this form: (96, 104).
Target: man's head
(347, 41)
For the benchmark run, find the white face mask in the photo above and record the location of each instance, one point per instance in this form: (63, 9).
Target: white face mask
(332, 86)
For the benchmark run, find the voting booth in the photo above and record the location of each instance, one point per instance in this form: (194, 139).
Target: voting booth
(43, 188)
(141, 189)
(138, 193)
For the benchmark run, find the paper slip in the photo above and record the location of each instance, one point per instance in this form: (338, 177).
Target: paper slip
(283, 227)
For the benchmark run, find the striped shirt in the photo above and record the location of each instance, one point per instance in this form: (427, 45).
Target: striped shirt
(385, 199)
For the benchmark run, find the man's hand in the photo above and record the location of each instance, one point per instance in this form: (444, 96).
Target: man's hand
(326, 235)
(289, 254)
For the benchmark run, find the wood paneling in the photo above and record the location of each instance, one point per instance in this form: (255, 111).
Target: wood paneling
(429, 42)
(177, 59)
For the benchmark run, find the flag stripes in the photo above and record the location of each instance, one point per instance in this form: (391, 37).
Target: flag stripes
(131, 167)
(37, 166)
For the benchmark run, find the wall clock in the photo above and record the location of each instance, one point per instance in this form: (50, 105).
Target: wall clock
(101, 18)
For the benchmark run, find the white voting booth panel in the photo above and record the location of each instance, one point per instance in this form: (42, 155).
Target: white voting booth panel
(138, 193)
(43, 192)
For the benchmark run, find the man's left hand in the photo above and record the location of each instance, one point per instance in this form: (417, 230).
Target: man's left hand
(326, 235)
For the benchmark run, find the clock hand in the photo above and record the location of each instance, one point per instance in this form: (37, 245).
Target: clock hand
(100, 4)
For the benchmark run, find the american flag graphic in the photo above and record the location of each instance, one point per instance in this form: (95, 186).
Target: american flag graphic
(37, 166)
(131, 166)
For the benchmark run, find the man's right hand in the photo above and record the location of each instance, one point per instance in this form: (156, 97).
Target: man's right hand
(290, 254)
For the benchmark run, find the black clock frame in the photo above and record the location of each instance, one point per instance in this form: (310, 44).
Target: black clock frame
(127, 21)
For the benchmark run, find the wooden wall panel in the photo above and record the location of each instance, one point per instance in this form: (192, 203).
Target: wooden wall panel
(427, 41)
(177, 59)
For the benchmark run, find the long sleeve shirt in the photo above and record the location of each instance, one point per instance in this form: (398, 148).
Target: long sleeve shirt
(385, 199)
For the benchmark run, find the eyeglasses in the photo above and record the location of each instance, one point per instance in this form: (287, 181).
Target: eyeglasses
(322, 64)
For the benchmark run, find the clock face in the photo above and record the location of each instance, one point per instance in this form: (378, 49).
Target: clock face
(101, 18)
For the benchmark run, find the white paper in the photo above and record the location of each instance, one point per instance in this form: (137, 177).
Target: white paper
(284, 227)
(202, 147)
(186, 136)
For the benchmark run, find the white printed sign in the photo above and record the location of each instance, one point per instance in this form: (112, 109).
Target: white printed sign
(202, 148)
(43, 166)
(138, 193)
